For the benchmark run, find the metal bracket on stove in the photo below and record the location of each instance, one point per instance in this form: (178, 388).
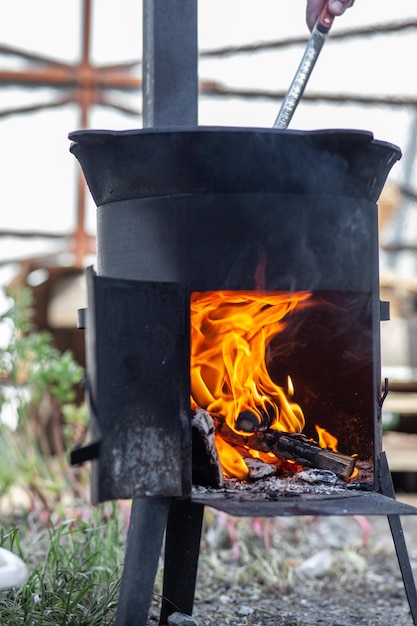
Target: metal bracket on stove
(81, 454)
(384, 308)
(81, 318)
(384, 393)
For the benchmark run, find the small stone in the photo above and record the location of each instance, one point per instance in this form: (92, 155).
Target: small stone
(181, 619)
(245, 610)
(225, 599)
(317, 565)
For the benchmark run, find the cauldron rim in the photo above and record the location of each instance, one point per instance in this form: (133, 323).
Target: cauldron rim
(126, 164)
(343, 135)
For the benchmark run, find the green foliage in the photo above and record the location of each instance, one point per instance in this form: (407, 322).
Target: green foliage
(38, 387)
(74, 575)
(30, 357)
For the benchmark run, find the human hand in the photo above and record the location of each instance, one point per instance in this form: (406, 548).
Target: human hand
(336, 7)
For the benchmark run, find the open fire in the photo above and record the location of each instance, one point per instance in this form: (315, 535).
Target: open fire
(232, 348)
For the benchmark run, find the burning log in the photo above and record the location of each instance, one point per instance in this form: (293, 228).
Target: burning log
(291, 446)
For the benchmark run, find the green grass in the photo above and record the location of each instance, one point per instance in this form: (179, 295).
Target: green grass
(75, 569)
(76, 565)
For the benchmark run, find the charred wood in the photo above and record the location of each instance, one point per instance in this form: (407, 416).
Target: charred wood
(291, 446)
(205, 460)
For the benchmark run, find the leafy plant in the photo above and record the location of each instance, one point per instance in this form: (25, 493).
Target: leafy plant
(31, 359)
(38, 386)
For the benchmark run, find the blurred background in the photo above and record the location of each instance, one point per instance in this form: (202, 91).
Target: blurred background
(77, 64)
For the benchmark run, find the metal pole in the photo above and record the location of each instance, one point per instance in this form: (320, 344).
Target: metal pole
(170, 80)
(170, 98)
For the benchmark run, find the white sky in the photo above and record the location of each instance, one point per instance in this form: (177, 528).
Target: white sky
(38, 173)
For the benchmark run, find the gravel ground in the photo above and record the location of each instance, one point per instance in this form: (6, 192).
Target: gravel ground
(301, 571)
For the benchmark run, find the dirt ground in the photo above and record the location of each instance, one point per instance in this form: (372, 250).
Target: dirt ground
(302, 571)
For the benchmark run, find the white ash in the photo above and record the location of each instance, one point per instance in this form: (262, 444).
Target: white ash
(320, 476)
(307, 481)
(258, 469)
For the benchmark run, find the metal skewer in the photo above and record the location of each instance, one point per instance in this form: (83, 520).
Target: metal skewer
(315, 44)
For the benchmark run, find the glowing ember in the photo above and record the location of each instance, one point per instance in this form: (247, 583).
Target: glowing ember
(230, 335)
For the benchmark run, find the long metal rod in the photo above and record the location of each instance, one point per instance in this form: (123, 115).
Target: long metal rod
(170, 79)
(315, 43)
(300, 79)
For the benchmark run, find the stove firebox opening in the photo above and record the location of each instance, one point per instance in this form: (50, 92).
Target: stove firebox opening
(286, 378)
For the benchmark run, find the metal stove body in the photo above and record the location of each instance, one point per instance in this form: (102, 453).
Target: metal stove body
(208, 209)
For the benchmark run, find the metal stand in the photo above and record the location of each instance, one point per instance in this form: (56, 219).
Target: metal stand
(387, 489)
(149, 518)
(144, 542)
(182, 547)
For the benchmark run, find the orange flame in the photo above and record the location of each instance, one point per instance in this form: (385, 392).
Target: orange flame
(231, 461)
(230, 334)
(326, 439)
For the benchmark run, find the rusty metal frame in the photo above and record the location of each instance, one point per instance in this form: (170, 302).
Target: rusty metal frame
(84, 84)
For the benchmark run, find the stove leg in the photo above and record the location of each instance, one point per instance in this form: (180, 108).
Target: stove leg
(144, 542)
(387, 488)
(182, 548)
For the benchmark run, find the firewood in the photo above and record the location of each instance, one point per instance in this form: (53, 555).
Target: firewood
(291, 446)
(206, 464)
